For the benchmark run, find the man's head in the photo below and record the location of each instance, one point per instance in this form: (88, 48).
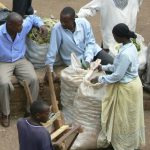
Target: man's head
(40, 111)
(14, 23)
(67, 18)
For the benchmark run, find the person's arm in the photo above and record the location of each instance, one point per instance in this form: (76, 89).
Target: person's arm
(55, 42)
(108, 67)
(119, 72)
(30, 21)
(91, 48)
(90, 9)
(45, 141)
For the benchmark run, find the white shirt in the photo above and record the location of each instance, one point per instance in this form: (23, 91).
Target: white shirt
(111, 16)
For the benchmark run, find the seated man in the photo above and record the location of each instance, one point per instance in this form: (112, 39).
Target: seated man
(74, 35)
(12, 61)
(32, 135)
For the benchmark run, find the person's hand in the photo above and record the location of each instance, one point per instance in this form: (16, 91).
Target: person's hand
(94, 80)
(43, 30)
(55, 77)
(99, 68)
(85, 64)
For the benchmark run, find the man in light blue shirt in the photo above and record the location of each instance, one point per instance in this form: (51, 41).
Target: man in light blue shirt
(12, 50)
(74, 35)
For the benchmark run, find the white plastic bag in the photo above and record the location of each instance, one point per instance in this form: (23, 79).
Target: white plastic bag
(87, 111)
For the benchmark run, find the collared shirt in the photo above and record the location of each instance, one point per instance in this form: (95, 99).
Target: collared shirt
(81, 42)
(11, 51)
(125, 66)
(110, 15)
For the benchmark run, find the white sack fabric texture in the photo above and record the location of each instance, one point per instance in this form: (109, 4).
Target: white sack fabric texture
(87, 111)
(81, 101)
(71, 78)
(36, 53)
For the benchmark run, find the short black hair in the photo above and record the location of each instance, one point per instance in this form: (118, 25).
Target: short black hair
(68, 11)
(37, 107)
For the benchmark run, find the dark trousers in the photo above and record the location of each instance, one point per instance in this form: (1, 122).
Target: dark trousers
(105, 57)
(23, 7)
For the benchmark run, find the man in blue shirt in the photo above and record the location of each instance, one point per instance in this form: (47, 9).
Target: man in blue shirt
(32, 135)
(74, 35)
(12, 50)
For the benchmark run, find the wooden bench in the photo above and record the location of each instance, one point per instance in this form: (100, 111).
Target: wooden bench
(18, 97)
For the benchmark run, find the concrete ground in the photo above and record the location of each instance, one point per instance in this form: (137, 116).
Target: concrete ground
(45, 8)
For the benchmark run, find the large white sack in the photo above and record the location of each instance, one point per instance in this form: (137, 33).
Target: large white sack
(87, 111)
(71, 78)
(36, 53)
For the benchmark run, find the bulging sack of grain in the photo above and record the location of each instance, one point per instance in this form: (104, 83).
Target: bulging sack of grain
(87, 111)
(71, 78)
(37, 45)
(36, 53)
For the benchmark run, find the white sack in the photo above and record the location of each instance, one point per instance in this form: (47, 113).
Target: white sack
(87, 111)
(36, 53)
(71, 78)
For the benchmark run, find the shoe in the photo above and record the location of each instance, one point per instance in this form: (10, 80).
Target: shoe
(5, 120)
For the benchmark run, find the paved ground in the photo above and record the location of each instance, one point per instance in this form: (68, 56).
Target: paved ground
(45, 8)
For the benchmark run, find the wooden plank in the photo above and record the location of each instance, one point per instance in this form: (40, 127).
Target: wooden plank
(59, 131)
(65, 142)
(58, 123)
(52, 119)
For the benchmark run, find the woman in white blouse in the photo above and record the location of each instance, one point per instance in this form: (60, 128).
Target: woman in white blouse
(122, 109)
